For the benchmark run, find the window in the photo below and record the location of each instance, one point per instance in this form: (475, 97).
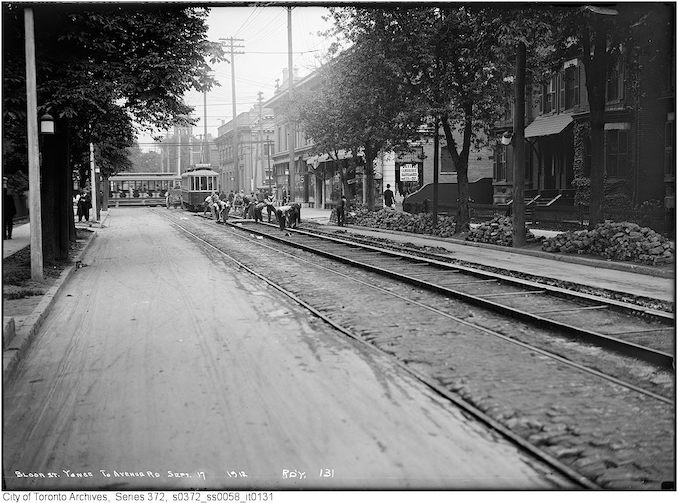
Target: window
(549, 96)
(669, 152)
(615, 83)
(616, 152)
(571, 87)
(507, 115)
(446, 161)
(500, 163)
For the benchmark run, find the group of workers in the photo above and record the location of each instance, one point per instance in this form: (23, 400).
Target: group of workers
(287, 215)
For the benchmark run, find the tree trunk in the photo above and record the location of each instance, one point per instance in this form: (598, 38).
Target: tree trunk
(461, 164)
(54, 196)
(463, 210)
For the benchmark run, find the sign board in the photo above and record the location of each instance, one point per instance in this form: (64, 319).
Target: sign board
(203, 165)
(409, 173)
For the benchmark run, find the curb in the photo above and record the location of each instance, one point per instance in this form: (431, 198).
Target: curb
(26, 332)
(617, 266)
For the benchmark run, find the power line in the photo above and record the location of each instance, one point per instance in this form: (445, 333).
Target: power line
(280, 52)
(246, 20)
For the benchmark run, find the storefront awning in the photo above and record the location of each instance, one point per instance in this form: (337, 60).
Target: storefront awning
(546, 126)
(315, 160)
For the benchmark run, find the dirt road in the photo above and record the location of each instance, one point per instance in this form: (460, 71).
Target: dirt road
(163, 366)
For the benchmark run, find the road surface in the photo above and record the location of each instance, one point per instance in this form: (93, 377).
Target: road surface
(163, 366)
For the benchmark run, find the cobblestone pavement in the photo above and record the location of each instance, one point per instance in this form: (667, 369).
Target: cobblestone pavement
(612, 435)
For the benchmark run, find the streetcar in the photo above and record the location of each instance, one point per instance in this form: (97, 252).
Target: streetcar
(141, 189)
(196, 184)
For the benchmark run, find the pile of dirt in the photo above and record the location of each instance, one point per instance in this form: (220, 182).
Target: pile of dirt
(498, 231)
(624, 241)
(421, 223)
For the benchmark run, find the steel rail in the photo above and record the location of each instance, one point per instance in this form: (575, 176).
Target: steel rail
(480, 328)
(533, 450)
(564, 292)
(626, 348)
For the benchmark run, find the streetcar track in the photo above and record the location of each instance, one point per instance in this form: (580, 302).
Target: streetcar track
(493, 333)
(444, 286)
(538, 453)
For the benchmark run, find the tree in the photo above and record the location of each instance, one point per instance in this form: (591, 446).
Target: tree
(321, 117)
(144, 162)
(366, 108)
(100, 69)
(358, 106)
(443, 57)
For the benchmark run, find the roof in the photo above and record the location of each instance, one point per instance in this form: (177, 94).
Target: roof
(548, 125)
(199, 172)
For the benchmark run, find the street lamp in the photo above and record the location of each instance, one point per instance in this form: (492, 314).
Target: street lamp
(506, 138)
(47, 124)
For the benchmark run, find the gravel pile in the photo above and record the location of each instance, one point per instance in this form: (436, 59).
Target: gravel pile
(498, 231)
(421, 223)
(623, 241)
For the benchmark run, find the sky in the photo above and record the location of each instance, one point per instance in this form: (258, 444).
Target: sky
(263, 31)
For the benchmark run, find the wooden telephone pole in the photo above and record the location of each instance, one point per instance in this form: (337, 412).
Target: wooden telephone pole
(236, 159)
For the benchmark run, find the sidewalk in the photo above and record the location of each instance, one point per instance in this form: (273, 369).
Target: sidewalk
(21, 235)
(634, 279)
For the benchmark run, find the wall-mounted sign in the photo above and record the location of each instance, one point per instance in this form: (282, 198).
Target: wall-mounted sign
(409, 173)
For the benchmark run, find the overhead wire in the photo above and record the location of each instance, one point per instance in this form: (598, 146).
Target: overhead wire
(242, 26)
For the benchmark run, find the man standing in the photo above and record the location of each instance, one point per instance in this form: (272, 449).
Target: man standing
(389, 198)
(341, 211)
(8, 211)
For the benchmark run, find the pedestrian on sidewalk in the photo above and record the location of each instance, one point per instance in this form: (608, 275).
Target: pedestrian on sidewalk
(389, 198)
(8, 211)
(84, 205)
(341, 211)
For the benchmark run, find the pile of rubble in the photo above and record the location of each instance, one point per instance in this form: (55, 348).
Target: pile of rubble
(421, 223)
(623, 241)
(498, 231)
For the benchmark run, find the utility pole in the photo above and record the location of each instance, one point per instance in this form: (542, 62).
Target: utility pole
(260, 149)
(519, 150)
(236, 159)
(268, 153)
(290, 124)
(436, 168)
(93, 181)
(178, 130)
(204, 158)
(33, 149)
